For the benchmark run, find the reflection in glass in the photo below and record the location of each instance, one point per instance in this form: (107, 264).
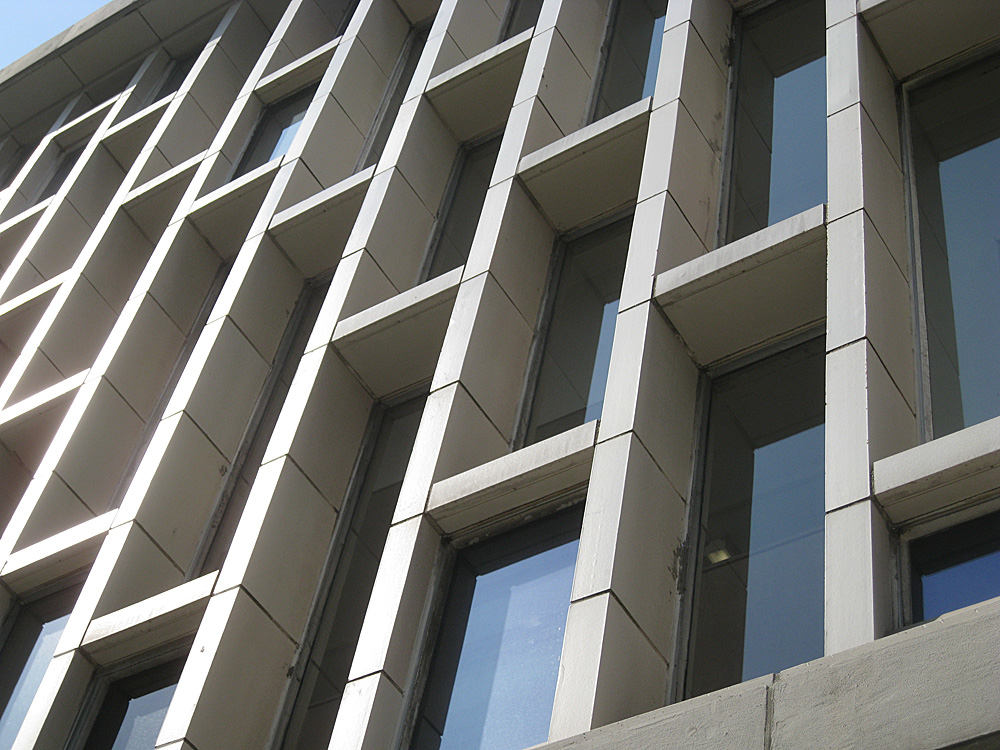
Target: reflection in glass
(633, 55)
(758, 604)
(492, 679)
(395, 90)
(956, 567)
(955, 123)
(779, 140)
(133, 710)
(474, 167)
(319, 695)
(25, 656)
(574, 365)
(276, 130)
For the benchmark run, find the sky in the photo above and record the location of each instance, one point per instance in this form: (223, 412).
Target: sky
(29, 23)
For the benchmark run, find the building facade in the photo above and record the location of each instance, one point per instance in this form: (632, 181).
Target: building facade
(397, 374)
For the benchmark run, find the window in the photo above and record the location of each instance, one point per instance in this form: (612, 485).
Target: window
(61, 168)
(955, 127)
(18, 155)
(25, 655)
(369, 513)
(133, 710)
(778, 161)
(461, 207)
(174, 76)
(632, 55)
(758, 590)
(521, 15)
(573, 369)
(339, 12)
(276, 129)
(492, 678)
(956, 567)
(399, 82)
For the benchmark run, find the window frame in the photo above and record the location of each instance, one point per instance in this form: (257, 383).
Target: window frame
(568, 501)
(267, 113)
(694, 542)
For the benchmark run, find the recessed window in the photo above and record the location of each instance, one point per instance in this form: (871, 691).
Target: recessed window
(370, 515)
(61, 168)
(339, 12)
(955, 126)
(396, 89)
(633, 55)
(25, 655)
(133, 710)
(462, 206)
(573, 369)
(521, 16)
(778, 160)
(276, 129)
(492, 679)
(758, 591)
(956, 567)
(18, 155)
(174, 76)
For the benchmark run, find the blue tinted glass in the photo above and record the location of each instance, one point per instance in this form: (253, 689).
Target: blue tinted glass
(506, 679)
(632, 57)
(798, 145)
(143, 720)
(786, 555)
(956, 163)
(31, 677)
(959, 586)
(653, 63)
(759, 586)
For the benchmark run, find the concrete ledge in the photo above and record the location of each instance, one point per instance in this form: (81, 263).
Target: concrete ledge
(760, 288)
(60, 555)
(149, 624)
(932, 686)
(952, 470)
(514, 482)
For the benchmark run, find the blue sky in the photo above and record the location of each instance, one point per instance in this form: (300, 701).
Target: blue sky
(28, 23)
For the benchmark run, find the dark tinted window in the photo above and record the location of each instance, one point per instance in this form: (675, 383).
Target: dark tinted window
(276, 129)
(633, 55)
(758, 597)
(956, 157)
(779, 140)
(577, 354)
(493, 677)
(956, 567)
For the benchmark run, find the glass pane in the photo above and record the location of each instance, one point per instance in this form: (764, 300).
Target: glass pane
(574, 368)
(462, 216)
(493, 677)
(956, 151)
(45, 637)
(633, 55)
(759, 589)
(956, 567)
(779, 143)
(143, 720)
(406, 65)
(134, 708)
(523, 15)
(66, 163)
(276, 130)
(326, 674)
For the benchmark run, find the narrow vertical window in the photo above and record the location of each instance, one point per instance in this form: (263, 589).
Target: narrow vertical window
(955, 125)
(758, 592)
(276, 129)
(64, 164)
(459, 215)
(406, 65)
(492, 679)
(133, 710)
(573, 369)
(339, 12)
(370, 513)
(632, 55)
(955, 567)
(778, 160)
(25, 656)
(521, 15)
